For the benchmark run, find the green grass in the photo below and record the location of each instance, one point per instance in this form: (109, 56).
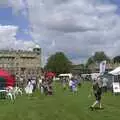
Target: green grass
(63, 105)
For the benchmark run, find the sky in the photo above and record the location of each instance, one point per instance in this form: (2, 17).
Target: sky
(76, 27)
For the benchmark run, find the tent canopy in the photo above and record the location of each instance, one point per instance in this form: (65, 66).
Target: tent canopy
(116, 71)
(6, 78)
(66, 75)
(50, 74)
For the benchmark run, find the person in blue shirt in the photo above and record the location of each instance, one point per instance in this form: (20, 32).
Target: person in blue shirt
(74, 85)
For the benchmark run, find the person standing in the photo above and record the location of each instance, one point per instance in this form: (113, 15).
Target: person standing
(79, 81)
(64, 83)
(34, 84)
(104, 84)
(29, 87)
(45, 86)
(70, 84)
(50, 89)
(74, 85)
(40, 85)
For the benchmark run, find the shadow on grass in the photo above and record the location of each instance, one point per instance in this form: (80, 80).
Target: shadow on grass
(96, 109)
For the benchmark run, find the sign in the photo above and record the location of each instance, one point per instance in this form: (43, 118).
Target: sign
(116, 87)
(102, 67)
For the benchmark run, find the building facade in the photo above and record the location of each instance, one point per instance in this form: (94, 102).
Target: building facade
(20, 62)
(93, 68)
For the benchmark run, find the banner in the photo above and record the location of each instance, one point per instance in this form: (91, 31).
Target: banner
(102, 67)
(116, 87)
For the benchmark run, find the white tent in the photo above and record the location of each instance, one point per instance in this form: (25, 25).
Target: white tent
(116, 81)
(116, 71)
(94, 76)
(66, 75)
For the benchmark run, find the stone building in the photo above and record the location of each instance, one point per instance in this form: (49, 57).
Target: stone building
(93, 68)
(21, 62)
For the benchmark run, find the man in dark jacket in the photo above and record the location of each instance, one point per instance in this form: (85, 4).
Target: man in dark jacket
(97, 91)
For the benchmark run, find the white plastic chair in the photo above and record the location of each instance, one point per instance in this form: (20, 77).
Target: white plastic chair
(10, 93)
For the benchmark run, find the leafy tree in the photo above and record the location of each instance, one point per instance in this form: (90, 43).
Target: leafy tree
(116, 59)
(90, 61)
(97, 58)
(58, 63)
(100, 56)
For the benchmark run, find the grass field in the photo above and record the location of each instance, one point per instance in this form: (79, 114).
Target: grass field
(63, 105)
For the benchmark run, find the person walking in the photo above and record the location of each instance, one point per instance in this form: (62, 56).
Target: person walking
(97, 91)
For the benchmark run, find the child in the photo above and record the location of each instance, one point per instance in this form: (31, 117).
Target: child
(74, 86)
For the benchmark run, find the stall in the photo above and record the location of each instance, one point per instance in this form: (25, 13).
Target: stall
(115, 79)
(67, 75)
(6, 79)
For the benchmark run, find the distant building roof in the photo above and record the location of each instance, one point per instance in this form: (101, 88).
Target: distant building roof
(37, 46)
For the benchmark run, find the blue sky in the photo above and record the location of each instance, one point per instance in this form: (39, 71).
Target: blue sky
(8, 18)
(117, 2)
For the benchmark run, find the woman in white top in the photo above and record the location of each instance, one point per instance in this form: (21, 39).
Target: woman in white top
(41, 86)
(29, 87)
(70, 84)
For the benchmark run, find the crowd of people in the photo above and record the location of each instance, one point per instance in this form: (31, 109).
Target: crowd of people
(45, 86)
(42, 83)
(71, 83)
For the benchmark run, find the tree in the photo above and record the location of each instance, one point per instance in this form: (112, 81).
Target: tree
(90, 61)
(100, 56)
(58, 63)
(97, 58)
(116, 59)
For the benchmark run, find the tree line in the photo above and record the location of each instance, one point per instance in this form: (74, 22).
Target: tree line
(59, 62)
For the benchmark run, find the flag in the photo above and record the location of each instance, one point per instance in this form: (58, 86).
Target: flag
(102, 67)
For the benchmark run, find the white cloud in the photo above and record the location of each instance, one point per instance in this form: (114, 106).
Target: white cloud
(79, 27)
(8, 39)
